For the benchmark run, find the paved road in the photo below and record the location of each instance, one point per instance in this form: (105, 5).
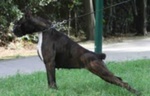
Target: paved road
(126, 50)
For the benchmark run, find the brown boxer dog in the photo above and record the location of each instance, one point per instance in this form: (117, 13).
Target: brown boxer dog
(58, 51)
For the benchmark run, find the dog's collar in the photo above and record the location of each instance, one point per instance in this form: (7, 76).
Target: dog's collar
(56, 25)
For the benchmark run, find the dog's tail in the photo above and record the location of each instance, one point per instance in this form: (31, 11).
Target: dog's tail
(101, 56)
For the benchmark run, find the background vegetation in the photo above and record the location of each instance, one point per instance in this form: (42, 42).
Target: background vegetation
(130, 17)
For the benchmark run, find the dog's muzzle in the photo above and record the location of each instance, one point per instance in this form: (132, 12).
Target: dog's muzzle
(17, 31)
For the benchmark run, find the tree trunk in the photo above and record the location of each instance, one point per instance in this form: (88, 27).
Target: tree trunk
(140, 17)
(89, 19)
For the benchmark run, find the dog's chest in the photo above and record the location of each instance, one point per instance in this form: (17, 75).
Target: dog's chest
(39, 46)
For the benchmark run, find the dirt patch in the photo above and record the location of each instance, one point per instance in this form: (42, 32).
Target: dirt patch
(17, 50)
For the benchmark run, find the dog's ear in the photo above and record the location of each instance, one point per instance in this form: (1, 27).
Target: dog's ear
(101, 56)
(28, 14)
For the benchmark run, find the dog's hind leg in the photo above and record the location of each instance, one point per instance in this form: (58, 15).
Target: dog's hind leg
(97, 67)
(100, 70)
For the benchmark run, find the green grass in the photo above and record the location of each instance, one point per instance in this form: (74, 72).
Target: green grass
(80, 82)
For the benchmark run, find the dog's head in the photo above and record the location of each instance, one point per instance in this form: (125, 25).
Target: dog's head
(29, 24)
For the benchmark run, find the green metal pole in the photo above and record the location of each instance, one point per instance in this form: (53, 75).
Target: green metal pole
(99, 26)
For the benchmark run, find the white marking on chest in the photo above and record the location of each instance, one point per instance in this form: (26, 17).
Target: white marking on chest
(39, 46)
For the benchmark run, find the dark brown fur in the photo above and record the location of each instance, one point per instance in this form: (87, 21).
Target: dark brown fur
(61, 52)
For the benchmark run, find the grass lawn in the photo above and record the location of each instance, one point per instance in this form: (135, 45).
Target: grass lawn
(80, 82)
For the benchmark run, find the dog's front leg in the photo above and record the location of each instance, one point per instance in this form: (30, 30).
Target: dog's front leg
(51, 79)
(49, 60)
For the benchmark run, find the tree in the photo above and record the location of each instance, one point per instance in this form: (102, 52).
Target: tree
(89, 19)
(140, 18)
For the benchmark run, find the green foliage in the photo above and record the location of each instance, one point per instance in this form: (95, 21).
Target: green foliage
(80, 82)
(74, 4)
(12, 10)
(117, 20)
(30, 38)
(45, 2)
(8, 12)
